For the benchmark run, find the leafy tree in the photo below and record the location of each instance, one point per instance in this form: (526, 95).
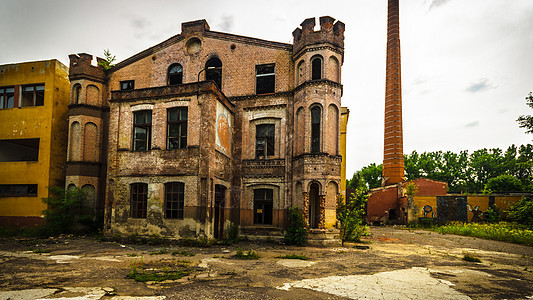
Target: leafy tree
(351, 216)
(296, 233)
(504, 183)
(526, 121)
(356, 182)
(372, 175)
(65, 212)
(107, 63)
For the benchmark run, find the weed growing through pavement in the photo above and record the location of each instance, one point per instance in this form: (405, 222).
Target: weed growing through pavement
(293, 256)
(132, 254)
(160, 251)
(471, 257)
(40, 250)
(250, 254)
(183, 253)
(139, 273)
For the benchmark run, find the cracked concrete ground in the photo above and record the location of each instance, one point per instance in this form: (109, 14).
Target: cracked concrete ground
(399, 264)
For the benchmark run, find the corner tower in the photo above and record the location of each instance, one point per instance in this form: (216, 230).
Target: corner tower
(318, 57)
(393, 163)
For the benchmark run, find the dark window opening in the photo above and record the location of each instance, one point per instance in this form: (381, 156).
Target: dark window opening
(316, 65)
(263, 203)
(264, 140)
(18, 190)
(127, 85)
(265, 78)
(174, 200)
(214, 71)
(139, 200)
(19, 150)
(315, 129)
(175, 74)
(77, 92)
(177, 128)
(142, 127)
(7, 97)
(33, 95)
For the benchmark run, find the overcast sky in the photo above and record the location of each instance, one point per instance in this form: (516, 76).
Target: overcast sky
(467, 65)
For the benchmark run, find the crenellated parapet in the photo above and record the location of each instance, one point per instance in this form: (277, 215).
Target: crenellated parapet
(81, 67)
(330, 32)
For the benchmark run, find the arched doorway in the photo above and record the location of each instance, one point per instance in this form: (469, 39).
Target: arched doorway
(220, 195)
(314, 205)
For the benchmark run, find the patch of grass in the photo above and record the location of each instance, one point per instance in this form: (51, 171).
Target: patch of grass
(293, 256)
(503, 231)
(140, 273)
(250, 254)
(471, 257)
(40, 250)
(132, 254)
(199, 242)
(183, 253)
(160, 251)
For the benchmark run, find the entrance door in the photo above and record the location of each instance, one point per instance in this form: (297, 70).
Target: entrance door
(263, 199)
(314, 206)
(220, 193)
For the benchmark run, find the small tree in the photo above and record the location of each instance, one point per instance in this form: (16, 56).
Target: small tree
(296, 233)
(351, 216)
(526, 121)
(65, 210)
(107, 63)
(522, 212)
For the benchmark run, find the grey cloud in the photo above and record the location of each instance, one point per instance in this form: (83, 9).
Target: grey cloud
(437, 3)
(479, 86)
(227, 23)
(140, 22)
(472, 124)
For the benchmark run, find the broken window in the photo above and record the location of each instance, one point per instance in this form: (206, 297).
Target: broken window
(174, 200)
(263, 203)
(214, 71)
(127, 85)
(265, 78)
(177, 128)
(264, 140)
(175, 74)
(19, 150)
(142, 128)
(33, 95)
(139, 200)
(316, 66)
(7, 97)
(18, 190)
(315, 129)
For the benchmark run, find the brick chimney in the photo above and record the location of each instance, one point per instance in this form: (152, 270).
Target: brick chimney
(393, 163)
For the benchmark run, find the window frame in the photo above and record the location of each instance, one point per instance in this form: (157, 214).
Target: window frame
(174, 200)
(178, 74)
(264, 200)
(8, 190)
(138, 200)
(268, 141)
(181, 124)
(213, 71)
(127, 85)
(5, 96)
(262, 80)
(314, 68)
(146, 126)
(36, 88)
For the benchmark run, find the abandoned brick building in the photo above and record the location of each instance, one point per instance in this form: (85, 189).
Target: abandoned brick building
(207, 129)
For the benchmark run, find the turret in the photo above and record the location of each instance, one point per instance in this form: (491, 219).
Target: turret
(330, 32)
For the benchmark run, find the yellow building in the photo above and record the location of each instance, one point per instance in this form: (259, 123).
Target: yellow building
(33, 137)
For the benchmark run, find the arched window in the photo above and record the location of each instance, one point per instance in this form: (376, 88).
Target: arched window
(175, 74)
(316, 66)
(75, 142)
(315, 129)
(138, 200)
(174, 200)
(90, 201)
(214, 71)
(334, 70)
(76, 94)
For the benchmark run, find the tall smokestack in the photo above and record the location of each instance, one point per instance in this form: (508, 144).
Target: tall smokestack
(393, 163)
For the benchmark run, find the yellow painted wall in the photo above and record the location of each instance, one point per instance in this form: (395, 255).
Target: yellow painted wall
(48, 123)
(345, 113)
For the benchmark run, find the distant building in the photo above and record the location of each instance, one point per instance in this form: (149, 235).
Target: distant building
(33, 137)
(207, 129)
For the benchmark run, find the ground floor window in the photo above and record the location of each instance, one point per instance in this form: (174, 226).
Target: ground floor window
(174, 199)
(263, 199)
(139, 200)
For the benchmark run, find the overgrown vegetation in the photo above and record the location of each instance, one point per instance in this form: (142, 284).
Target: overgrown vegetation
(503, 231)
(250, 254)
(107, 63)
(522, 212)
(351, 216)
(296, 233)
(471, 257)
(140, 273)
(231, 234)
(293, 256)
(183, 253)
(41, 250)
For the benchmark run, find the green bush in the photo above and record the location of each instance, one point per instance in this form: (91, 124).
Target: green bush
(492, 215)
(522, 212)
(504, 183)
(296, 233)
(351, 216)
(250, 254)
(231, 235)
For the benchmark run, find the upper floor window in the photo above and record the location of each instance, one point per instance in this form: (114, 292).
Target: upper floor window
(263, 200)
(127, 85)
(264, 140)
(174, 200)
(265, 78)
(316, 68)
(19, 150)
(33, 95)
(7, 97)
(175, 74)
(315, 129)
(142, 128)
(138, 200)
(18, 190)
(214, 71)
(177, 128)
(77, 93)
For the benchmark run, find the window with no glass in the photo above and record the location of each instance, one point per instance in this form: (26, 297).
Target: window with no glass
(265, 78)
(139, 200)
(177, 128)
(18, 190)
(127, 85)
(19, 150)
(142, 127)
(263, 200)
(7, 97)
(316, 65)
(315, 129)
(175, 74)
(174, 200)
(32, 95)
(264, 140)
